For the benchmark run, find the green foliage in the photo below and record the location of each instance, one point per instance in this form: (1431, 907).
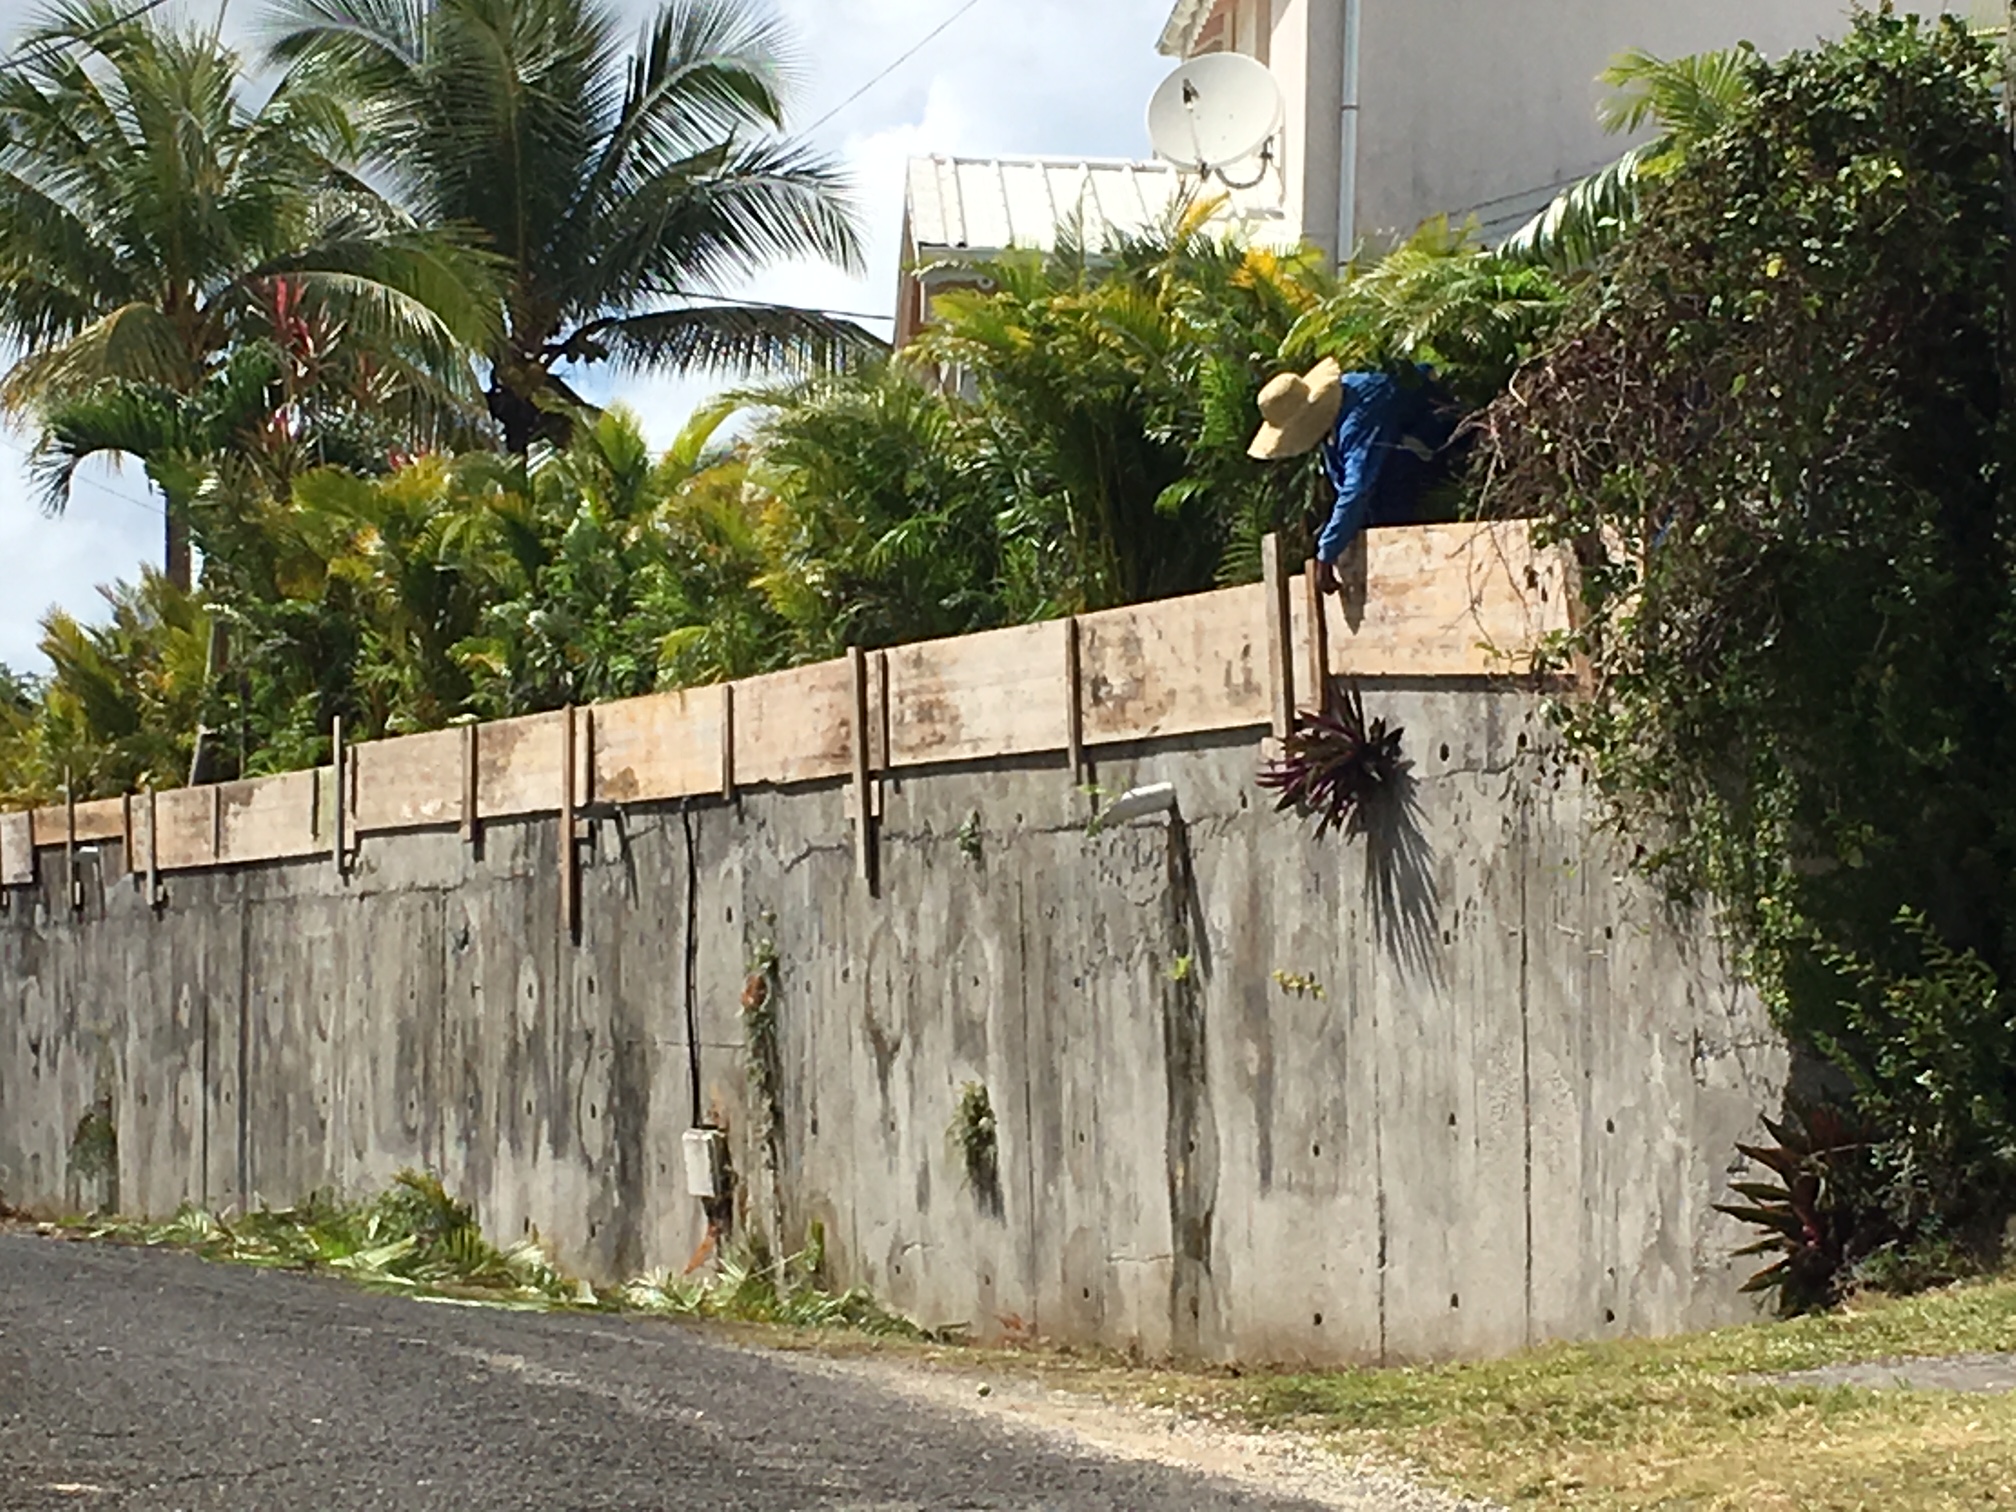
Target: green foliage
(614, 183)
(94, 1144)
(880, 525)
(746, 1287)
(416, 1237)
(1774, 428)
(156, 225)
(1686, 101)
(977, 1138)
(120, 706)
(1442, 299)
(1931, 1051)
(1115, 393)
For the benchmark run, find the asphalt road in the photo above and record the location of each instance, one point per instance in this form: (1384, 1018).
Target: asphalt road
(140, 1379)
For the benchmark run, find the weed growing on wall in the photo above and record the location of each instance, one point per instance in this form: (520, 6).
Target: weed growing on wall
(977, 1139)
(1334, 764)
(94, 1153)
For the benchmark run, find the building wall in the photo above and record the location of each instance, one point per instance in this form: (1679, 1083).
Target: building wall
(1445, 1088)
(1472, 107)
(1482, 108)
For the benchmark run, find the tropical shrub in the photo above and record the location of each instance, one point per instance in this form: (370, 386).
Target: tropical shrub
(1775, 428)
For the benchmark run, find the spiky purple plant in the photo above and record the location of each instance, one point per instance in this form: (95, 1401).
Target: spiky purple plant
(1334, 764)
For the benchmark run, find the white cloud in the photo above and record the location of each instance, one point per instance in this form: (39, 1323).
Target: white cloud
(1012, 76)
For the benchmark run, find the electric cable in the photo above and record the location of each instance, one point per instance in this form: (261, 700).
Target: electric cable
(928, 38)
(53, 45)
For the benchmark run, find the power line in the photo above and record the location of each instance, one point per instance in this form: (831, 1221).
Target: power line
(75, 481)
(55, 45)
(924, 42)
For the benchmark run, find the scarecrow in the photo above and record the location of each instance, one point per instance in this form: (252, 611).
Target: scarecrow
(1385, 440)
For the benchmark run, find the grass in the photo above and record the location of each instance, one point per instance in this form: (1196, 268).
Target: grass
(415, 1238)
(1683, 1423)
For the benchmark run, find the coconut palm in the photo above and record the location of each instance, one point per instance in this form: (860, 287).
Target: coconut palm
(1686, 100)
(624, 190)
(153, 223)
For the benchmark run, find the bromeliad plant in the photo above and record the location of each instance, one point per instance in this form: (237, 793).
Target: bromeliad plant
(1819, 1216)
(1334, 764)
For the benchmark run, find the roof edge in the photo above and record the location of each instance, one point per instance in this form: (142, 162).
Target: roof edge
(1179, 32)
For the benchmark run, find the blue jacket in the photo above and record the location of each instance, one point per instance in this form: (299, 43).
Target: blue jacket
(1381, 454)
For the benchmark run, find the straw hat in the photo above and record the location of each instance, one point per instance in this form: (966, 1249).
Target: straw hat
(1297, 411)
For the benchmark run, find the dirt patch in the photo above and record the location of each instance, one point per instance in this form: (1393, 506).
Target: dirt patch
(1275, 1462)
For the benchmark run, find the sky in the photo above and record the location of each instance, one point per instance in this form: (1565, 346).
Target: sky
(1052, 77)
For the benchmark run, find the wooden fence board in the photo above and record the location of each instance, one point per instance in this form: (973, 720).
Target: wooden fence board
(1449, 601)
(17, 849)
(1176, 667)
(1417, 602)
(99, 819)
(794, 726)
(412, 782)
(273, 818)
(518, 766)
(998, 694)
(187, 821)
(664, 746)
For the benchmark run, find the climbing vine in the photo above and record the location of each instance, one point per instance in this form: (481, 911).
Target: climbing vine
(1774, 429)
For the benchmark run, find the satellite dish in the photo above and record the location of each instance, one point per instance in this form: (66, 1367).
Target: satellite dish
(1216, 110)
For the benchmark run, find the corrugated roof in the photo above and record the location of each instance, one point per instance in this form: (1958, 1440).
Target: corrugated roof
(985, 205)
(1185, 21)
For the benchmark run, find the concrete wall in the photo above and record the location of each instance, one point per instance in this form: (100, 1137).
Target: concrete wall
(1503, 1118)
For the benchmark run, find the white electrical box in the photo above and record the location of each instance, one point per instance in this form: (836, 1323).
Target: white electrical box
(706, 1163)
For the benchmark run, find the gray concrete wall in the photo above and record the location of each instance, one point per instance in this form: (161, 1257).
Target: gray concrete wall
(1503, 1119)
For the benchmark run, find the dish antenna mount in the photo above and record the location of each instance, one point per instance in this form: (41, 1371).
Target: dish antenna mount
(1215, 111)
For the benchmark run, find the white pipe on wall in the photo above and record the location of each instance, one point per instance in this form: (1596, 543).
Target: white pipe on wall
(1347, 136)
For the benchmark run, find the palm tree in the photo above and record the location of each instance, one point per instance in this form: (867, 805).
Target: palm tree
(153, 224)
(1687, 99)
(623, 190)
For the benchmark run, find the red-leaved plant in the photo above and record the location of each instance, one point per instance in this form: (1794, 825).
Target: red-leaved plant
(1819, 1217)
(1334, 763)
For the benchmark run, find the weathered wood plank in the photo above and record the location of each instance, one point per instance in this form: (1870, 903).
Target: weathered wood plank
(17, 849)
(183, 829)
(794, 726)
(664, 746)
(1175, 667)
(1280, 641)
(1466, 600)
(518, 767)
(271, 818)
(997, 694)
(99, 819)
(862, 754)
(1418, 602)
(411, 782)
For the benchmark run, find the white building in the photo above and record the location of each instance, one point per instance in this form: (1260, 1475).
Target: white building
(1397, 110)
(1403, 109)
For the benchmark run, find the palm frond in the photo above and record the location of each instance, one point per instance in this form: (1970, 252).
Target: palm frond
(1686, 99)
(736, 339)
